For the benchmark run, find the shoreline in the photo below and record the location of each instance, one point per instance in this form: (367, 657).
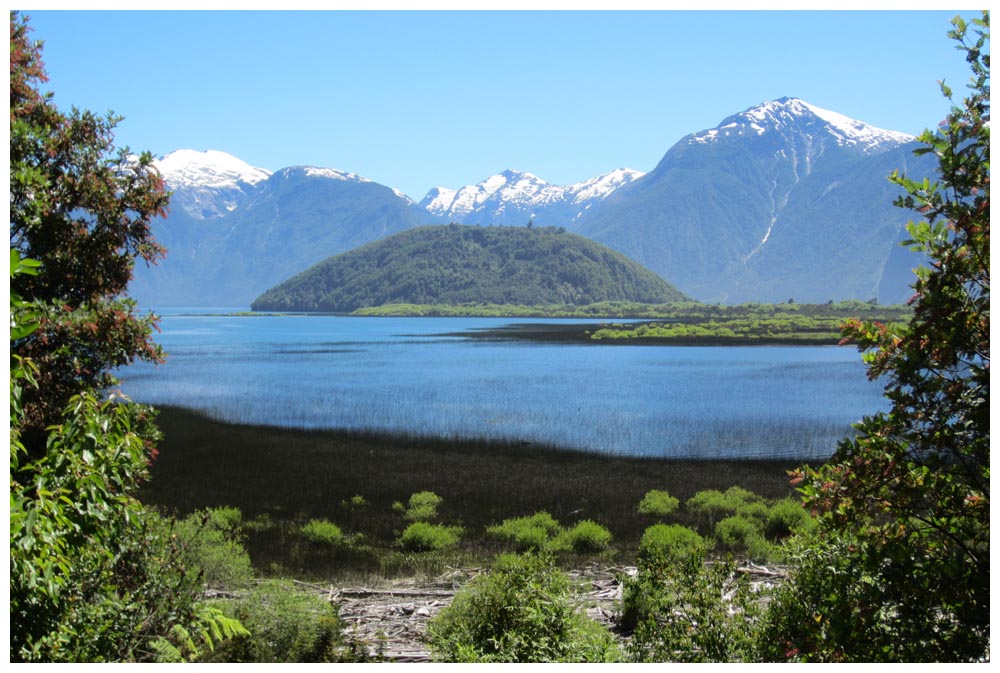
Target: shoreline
(580, 333)
(565, 330)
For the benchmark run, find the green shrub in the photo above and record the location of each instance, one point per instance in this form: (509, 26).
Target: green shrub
(677, 611)
(423, 506)
(785, 517)
(672, 541)
(355, 503)
(323, 532)
(212, 543)
(286, 624)
(712, 505)
(226, 518)
(742, 535)
(521, 611)
(658, 503)
(738, 495)
(527, 532)
(755, 511)
(586, 537)
(422, 536)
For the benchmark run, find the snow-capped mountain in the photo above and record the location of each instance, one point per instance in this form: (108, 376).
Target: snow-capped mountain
(793, 115)
(210, 183)
(783, 200)
(235, 230)
(515, 197)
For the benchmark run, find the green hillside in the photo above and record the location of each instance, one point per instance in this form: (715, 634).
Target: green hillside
(455, 264)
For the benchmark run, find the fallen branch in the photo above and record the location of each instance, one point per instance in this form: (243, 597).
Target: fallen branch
(361, 591)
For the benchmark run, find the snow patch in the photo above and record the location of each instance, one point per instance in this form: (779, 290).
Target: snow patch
(852, 131)
(785, 112)
(210, 168)
(402, 196)
(602, 186)
(333, 174)
(511, 188)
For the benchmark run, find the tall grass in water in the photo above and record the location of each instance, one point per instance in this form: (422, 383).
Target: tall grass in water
(658, 402)
(292, 476)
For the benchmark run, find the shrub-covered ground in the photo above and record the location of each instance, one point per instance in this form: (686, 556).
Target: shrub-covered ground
(333, 547)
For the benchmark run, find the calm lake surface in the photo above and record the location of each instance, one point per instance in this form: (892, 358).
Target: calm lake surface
(401, 375)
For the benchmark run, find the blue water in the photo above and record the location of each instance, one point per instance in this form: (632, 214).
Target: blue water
(400, 374)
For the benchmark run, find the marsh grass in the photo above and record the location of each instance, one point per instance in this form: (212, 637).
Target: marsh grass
(280, 479)
(405, 376)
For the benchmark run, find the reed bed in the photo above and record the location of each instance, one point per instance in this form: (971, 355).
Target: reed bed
(280, 478)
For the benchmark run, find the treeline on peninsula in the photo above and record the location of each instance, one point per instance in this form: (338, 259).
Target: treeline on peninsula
(765, 323)
(686, 322)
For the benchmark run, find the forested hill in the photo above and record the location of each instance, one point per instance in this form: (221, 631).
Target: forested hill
(457, 264)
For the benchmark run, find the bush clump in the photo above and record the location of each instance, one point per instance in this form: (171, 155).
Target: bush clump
(673, 606)
(211, 540)
(586, 537)
(527, 533)
(421, 536)
(286, 625)
(321, 531)
(356, 502)
(785, 517)
(658, 503)
(712, 505)
(521, 611)
(422, 506)
(740, 534)
(672, 541)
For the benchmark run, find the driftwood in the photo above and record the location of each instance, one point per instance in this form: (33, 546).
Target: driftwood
(762, 572)
(362, 591)
(392, 620)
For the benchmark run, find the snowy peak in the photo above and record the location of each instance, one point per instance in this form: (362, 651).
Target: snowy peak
(853, 132)
(322, 173)
(211, 168)
(509, 186)
(513, 191)
(787, 114)
(602, 186)
(207, 185)
(318, 173)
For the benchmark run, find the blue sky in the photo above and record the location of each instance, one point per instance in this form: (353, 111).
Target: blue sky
(419, 99)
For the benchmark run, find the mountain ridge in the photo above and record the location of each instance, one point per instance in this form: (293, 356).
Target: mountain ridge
(530, 195)
(783, 200)
(777, 202)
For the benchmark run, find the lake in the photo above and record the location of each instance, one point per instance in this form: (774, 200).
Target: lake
(403, 375)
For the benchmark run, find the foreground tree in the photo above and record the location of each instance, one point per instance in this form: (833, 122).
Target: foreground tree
(83, 210)
(94, 576)
(900, 567)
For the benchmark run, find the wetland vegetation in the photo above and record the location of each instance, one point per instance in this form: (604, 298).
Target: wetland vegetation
(283, 479)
